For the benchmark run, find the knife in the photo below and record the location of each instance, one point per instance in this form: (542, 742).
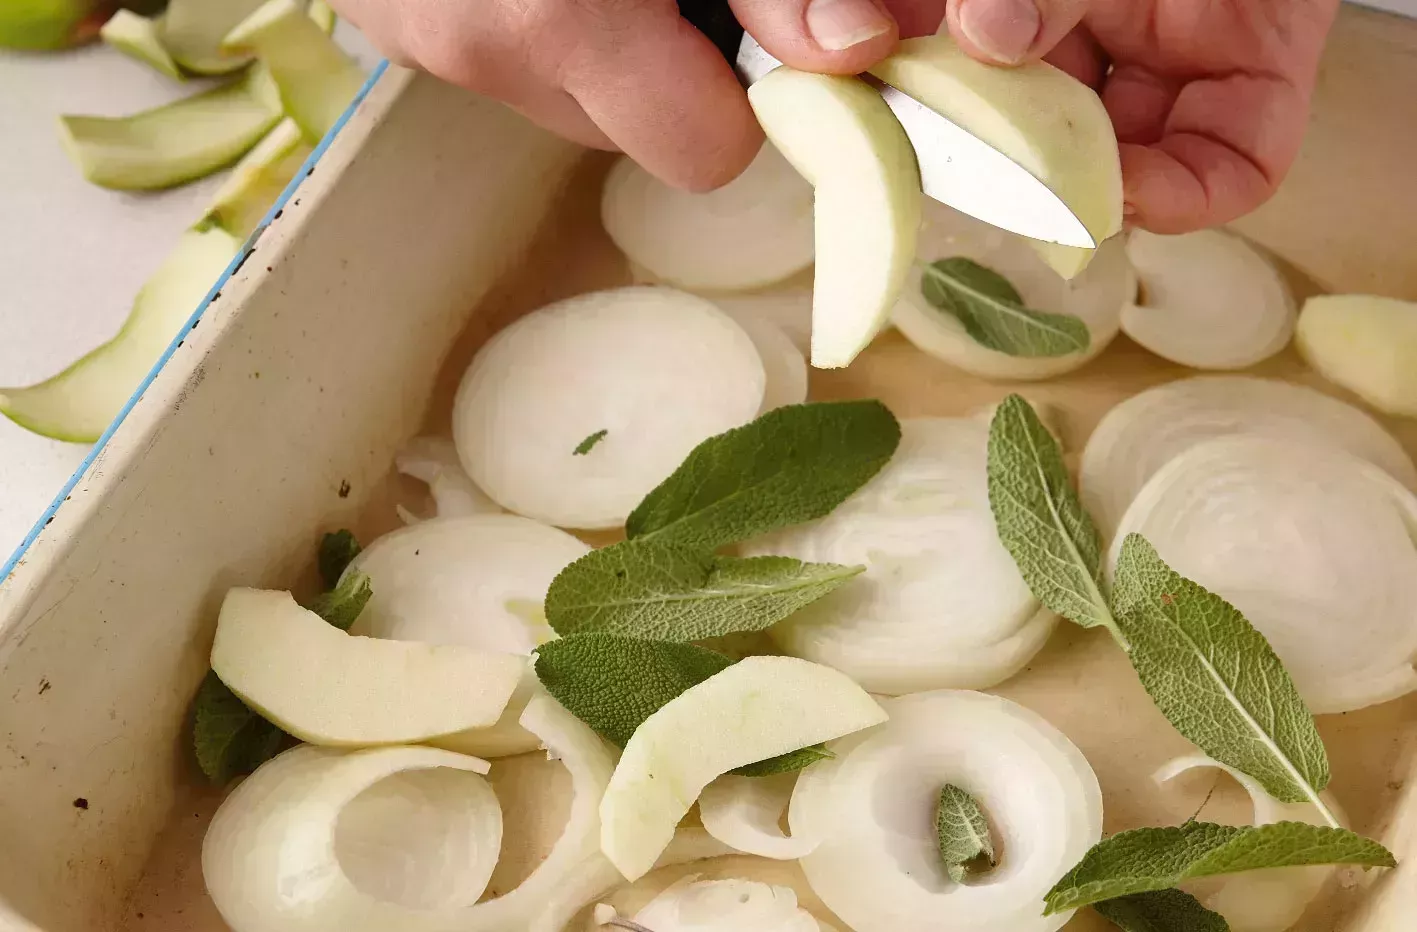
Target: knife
(956, 168)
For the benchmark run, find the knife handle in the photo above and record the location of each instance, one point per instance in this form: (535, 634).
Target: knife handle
(714, 19)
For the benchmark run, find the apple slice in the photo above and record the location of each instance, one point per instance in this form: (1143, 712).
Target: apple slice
(140, 38)
(1039, 116)
(248, 192)
(840, 135)
(330, 688)
(1365, 343)
(756, 709)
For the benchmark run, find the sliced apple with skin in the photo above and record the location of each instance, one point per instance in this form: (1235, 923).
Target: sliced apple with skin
(330, 688)
(1365, 343)
(840, 136)
(758, 708)
(1041, 117)
(140, 38)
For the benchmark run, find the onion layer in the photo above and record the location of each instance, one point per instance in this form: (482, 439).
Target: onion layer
(652, 371)
(479, 581)
(941, 603)
(788, 306)
(1140, 435)
(434, 462)
(732, 905)
(281, 853)
(784, 366)
(879, 867)
(1312, 544)
(1209, 300)
(744, 812)
(1096, 296)
(753, 231)
(1263, 900)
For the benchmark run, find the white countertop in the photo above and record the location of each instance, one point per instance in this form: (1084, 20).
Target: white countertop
(73, 255)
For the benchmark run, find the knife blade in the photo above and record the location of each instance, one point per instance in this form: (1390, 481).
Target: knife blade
(956, 168)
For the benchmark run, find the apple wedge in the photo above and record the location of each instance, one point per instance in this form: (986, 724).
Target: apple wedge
(754, 710)
(248, 192)
(1365, 343)
(330, 688)
(843, 139)
(1039, 116)
(140, 38)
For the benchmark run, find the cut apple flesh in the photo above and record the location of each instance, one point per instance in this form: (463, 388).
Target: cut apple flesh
(754, 710)
(192, 32)
(1365, 343)
(79, 403)
(1040, 117)
(331, 688)
(140, 38)
(176, 143)
(840, 135)
(317, 80)
(258, 179)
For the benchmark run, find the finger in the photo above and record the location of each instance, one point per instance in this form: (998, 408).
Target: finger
(663, 93)
(1080, 56)
(1139, 102)
(1226, 145)
(1009, 32)
(555, 110)
(917, 17)
(827, 36)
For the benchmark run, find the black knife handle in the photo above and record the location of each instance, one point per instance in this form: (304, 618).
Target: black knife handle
(715, 19)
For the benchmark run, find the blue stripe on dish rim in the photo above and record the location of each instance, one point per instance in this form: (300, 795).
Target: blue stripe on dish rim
(246, 249)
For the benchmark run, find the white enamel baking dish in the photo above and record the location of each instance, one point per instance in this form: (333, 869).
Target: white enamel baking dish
(276, 415)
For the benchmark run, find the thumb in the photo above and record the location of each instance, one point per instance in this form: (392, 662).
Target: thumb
(1008, 32)
(828, 36)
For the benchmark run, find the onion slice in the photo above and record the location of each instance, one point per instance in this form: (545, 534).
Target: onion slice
(744, 812)
(1264, 900)
(273, 860)
(1312, 544)
(434, 462)
(753, 231)
(1140, 435)
(784, 366)
(729, 905)
(1208, 300)
(478, 581)
(1096, 296)
(788, 306)
(650, 372)
(879, 867)
(941, 603)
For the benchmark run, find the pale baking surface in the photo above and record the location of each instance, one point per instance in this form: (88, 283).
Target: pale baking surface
(1347, 219)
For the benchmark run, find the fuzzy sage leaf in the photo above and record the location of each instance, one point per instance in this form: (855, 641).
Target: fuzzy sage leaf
(961, 832)
(642, 588)
(993, 313)
(791, 465)
(1148, 859)
(229, 738)
(341, 606)
(1160, 911)
(337, 550)
(1040, 521)
(613, 683)
(1216, 679)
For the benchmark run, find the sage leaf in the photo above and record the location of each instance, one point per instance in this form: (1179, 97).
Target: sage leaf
(342, 605)
(793, 464)
(642, 588)
(588, 444)
(993, 313)
(1215, 678)
(613, 683)
(1148, 859)
(962, 832)
(1040, 520)
(1160, 911)
(230, 739)
(337, 550)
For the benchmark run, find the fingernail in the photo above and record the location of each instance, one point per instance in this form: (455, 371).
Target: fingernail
(837, 25)
(1002, 29)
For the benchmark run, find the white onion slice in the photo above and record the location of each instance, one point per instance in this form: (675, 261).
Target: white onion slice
(657, 370)
(1141, 434)
(784, 366)
(730, 905)
(479, 581)
(1264, 900)
(1096, 296)
(941, 603)
(1208, 300)
(273, 863)
(788, 306)
(434, 462)
(273, 857)
(744, 812)
(879, 866)
(1312, 544)
(753, 231)
(631, 898)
